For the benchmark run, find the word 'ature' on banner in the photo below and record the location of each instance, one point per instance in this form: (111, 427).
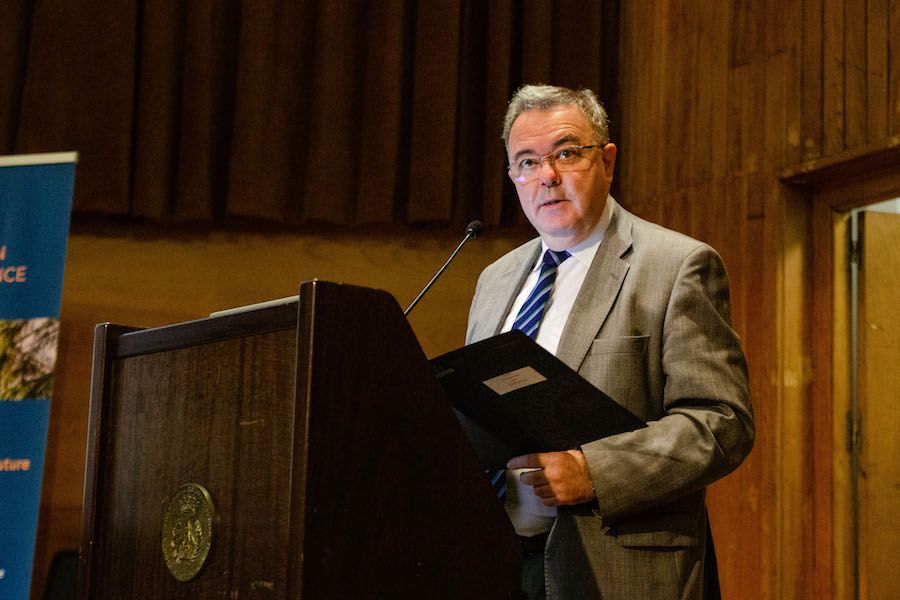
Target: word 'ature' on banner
(35, 205)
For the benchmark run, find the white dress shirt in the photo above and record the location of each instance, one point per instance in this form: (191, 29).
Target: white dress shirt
(526, 511)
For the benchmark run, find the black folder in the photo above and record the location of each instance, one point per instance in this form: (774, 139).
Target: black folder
(513, 397)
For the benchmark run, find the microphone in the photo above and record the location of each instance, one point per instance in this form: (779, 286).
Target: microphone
(473, 230)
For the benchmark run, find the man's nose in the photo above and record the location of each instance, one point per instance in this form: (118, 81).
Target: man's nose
(549, 175)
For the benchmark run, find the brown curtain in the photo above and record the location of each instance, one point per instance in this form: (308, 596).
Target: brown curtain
(289, 111)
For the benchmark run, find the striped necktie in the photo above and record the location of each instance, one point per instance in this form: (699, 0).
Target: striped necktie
(531, 313)
(529, 320)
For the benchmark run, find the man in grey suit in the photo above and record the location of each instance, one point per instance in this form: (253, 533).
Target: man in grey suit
(641, 312)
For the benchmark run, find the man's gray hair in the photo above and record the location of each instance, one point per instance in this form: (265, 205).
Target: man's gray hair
(545, 97)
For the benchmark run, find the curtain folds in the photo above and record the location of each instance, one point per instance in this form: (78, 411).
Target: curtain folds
(291, 111)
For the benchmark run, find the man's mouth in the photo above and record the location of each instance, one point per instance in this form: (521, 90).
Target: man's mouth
(552, 202)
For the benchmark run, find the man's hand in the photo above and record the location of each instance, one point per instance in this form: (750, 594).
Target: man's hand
(563, 477)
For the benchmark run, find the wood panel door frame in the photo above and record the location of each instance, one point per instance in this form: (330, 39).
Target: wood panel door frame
(833, 187)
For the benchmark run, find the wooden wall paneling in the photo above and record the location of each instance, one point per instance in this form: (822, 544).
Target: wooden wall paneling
(660, 115)
(711, 123)
(757, 567)
(656, 143)
(894, 68)
(636, 131)
(727, 230)
(681, 113)
(787, 228)
(638, 82)
(779, 17)
(705, 207)
(705, 214)
(754, 118)
(653, 158)
(677, 211)
(780, 119)
(746, 31)
(877, 53)
(738, 494)
(856, 106)
(792, 31)
(756, 198)
(737, 93)
(841, 516)
(822, 317)
(744, 496)
(811, 80)
(628, 80)
(735, 253)
(782, 89)
(833, 76)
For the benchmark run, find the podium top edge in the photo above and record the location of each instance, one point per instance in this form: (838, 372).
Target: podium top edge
(44, 158)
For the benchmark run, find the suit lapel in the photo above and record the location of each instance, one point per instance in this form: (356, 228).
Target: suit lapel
(598, 292)
(501, 292)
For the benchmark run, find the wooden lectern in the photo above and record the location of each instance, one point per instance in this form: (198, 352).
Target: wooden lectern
(334, 461)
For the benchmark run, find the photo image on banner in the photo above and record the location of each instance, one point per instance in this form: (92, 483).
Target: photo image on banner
(27, 358)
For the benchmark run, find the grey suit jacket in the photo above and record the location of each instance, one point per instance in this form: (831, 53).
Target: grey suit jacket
(651, 328)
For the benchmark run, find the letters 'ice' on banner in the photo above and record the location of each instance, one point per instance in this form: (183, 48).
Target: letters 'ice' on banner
(35, 206)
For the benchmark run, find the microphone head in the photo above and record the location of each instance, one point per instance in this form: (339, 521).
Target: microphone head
(474, 229)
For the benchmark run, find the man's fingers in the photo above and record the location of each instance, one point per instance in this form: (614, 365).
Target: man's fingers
(544, 491)
(556, 477)
(526, 461)
(533, 477)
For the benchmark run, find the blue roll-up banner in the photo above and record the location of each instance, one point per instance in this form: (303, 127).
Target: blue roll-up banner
(35, 205)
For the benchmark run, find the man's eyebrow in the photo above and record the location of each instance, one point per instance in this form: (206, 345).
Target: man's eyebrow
(565, 140)
(560, 142)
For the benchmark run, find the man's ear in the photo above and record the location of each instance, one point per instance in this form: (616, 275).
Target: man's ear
(609, 159)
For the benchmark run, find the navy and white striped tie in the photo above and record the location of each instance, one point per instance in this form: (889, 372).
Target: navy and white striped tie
(531, 313)
(529, 320)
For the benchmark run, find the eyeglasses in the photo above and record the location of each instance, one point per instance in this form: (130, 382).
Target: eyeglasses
(567, 158)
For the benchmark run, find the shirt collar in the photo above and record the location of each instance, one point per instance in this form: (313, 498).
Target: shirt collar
(585, 250)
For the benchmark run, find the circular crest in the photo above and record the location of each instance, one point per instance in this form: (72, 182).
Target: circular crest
(187, 531)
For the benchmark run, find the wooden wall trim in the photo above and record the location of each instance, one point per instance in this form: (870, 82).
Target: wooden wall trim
(836, 396)
(850, 164)
(793, 576)
(822, 343)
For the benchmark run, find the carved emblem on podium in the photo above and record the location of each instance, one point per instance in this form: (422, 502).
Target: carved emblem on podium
(187, 531)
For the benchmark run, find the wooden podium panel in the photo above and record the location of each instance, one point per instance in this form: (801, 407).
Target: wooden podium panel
(334, 461)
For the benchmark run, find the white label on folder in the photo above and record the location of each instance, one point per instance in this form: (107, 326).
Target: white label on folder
(514, 380)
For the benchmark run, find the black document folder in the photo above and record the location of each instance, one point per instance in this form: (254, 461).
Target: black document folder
(513, 397)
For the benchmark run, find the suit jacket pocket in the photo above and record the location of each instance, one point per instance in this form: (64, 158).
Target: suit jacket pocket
(650, 528)
(631, 344)
(618, 367)
(657, 539)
